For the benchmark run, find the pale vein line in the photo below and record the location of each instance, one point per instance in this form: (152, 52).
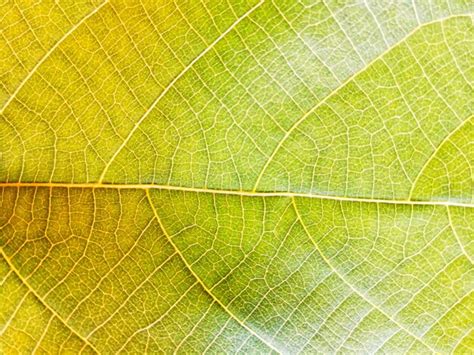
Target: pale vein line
(183, 341)
(379, 27)
(85, 298)
(327, 317)
(6, 324)
(234, 193)
(448, 310)
(224, 307)
(48, 54)
(435, 153)
(160, 318)
(415, 11)
(301, 302)
(129, 296)
(461, 339)
(40, 299)
(451, 225)
(408, 345)
(336, 90)
(171, 84)
(356, 291)
(351, 333)
(43, 335)
(216, 336)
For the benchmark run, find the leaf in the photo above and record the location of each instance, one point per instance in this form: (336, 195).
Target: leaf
(244, 176)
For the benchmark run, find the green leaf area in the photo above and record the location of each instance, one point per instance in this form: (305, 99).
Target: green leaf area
(237, 176)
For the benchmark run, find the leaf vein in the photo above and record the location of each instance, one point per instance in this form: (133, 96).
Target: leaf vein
(48, 54)
(224, 307)
(40, 299)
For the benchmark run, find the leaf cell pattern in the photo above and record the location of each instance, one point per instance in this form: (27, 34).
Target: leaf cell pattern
(237, 177)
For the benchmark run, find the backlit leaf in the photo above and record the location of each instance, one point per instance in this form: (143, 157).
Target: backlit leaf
(247, 176)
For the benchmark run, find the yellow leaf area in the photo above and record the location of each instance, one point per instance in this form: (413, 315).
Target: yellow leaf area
(245, 176)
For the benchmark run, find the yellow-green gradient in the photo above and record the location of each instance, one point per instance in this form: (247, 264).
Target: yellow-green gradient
(237, 177)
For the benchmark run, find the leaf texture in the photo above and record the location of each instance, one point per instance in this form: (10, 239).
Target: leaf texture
(237, 177)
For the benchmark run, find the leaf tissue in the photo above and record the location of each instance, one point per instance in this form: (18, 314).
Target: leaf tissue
(240, 176)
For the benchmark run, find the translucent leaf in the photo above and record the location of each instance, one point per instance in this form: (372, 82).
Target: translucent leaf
(237, 177)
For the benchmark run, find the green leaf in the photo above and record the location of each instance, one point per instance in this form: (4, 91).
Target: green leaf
(241, 176)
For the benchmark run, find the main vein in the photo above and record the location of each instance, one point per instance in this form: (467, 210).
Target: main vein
(449, 203)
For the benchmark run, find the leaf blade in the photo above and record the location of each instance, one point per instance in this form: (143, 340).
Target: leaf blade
(245, 177)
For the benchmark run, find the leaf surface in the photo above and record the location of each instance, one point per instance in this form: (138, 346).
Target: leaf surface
(244, 176)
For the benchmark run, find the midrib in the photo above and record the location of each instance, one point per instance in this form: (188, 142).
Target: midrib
(233, 192)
